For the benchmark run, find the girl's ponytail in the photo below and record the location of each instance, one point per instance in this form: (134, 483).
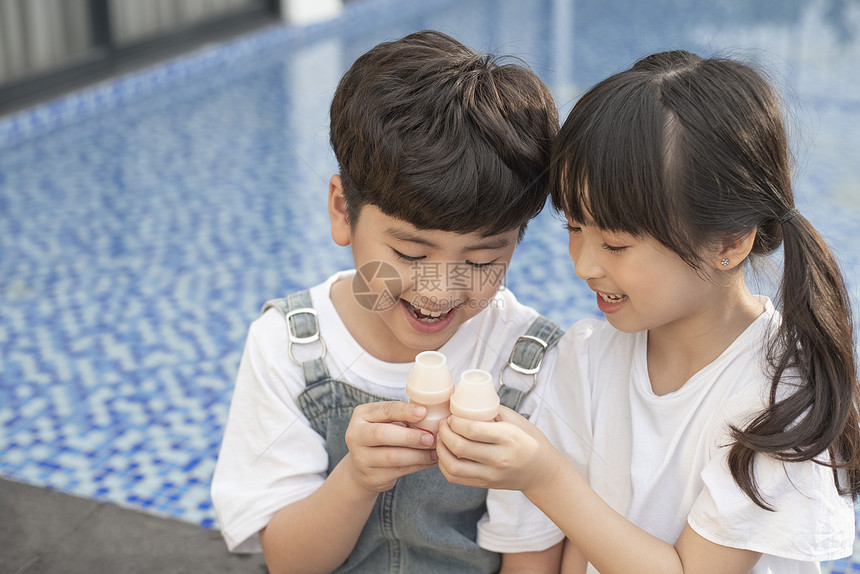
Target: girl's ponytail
(816, 409)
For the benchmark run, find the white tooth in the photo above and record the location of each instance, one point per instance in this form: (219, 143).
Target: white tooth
(611, 298)
(429, 313)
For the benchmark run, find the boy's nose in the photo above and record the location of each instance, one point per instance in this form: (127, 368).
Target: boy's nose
(459, 280)
(439, 285)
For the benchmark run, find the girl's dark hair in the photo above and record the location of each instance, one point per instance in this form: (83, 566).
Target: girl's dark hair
(432, 133)
(691, 151)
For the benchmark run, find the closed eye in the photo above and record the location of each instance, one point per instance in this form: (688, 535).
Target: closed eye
(614, 248)
(407, 258)
(480, 265)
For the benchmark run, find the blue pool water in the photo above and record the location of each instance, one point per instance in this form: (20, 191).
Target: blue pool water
(144, 222)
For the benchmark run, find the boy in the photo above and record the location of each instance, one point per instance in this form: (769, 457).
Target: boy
(442, 156)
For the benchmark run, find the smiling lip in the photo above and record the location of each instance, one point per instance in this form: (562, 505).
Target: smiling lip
(427, 320)
(610, 302)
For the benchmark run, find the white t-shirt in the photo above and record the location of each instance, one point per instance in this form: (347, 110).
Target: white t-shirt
(271, 457)
(661, 460)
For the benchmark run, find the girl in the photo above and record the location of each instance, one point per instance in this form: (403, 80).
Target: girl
(698, 428)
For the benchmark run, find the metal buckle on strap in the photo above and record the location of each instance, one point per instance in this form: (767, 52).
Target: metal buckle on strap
(312, 338)
(524, 370)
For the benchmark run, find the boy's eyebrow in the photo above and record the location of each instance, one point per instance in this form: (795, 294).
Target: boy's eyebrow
(488, 243)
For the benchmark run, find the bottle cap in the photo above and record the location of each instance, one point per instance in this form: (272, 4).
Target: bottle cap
(430, 381)
(475, 397)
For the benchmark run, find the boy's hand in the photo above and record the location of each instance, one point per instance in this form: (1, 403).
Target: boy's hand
(508, 453)
(382, 448)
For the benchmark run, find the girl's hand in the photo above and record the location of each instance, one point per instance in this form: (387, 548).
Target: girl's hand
(382, 448)
(508, 453)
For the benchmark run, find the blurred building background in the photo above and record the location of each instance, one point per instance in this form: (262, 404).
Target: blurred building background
(48, 47)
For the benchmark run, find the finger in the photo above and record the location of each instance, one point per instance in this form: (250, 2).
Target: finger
(511, 416)
(400, 458)
(445, 437)
(392, 435)
(428, 441)
(380, 479)
(444, 454)
(457, 445)
(403, 471)
(412, 468)
(490, 432)
(478, 431)
(465, 449)
(391, 411)
(455, 470)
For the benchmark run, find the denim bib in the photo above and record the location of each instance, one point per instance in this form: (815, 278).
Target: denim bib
(424, 524)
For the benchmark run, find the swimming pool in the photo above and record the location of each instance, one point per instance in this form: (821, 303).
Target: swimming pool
(144, 222)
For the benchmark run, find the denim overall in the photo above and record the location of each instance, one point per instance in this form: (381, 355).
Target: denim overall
(424, 524)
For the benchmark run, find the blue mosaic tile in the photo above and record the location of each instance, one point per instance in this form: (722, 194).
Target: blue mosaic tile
(145, 220)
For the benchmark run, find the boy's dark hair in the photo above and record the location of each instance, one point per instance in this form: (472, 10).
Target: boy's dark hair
(434, 134)
(692, 151)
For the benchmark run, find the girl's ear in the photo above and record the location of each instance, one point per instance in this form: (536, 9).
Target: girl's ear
(340, 229)
(734, 251)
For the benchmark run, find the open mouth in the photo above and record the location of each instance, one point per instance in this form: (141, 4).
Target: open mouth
(611, 297)
(427, 315)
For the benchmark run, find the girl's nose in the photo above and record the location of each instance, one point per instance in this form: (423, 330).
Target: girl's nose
(584, 257)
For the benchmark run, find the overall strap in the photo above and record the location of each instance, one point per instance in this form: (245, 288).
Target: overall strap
(526, 358)
(304, 328)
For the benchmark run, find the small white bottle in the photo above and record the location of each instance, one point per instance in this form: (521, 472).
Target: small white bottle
(430, 384)
(475, 397)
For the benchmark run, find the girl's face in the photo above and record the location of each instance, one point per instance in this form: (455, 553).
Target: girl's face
(639, 283)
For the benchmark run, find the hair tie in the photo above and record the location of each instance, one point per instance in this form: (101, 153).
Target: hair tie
(789, 215)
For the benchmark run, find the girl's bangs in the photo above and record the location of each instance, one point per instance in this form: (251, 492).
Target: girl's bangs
(610, 167)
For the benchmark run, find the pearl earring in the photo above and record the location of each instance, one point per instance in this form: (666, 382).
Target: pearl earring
(725, 262)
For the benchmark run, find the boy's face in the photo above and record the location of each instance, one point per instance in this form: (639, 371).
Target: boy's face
(414, 287)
